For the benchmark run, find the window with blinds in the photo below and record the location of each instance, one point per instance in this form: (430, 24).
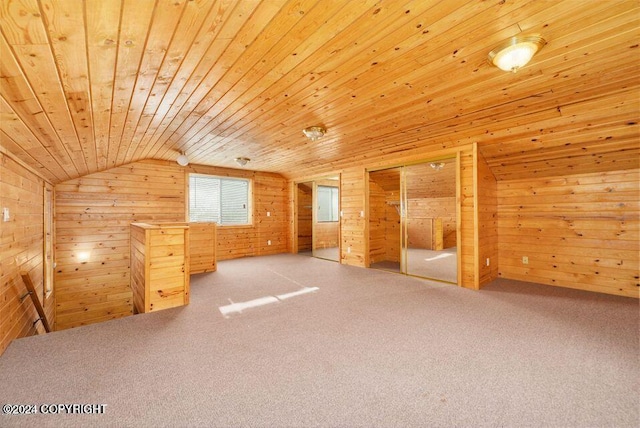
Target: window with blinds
(328, 200)
(223, 200)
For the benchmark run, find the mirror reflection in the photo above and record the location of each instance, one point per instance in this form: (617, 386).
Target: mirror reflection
(412, 220)
(318, 218)
(431, 220)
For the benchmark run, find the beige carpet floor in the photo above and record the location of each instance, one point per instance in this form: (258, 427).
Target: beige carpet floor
(440, 265)
(294, 341)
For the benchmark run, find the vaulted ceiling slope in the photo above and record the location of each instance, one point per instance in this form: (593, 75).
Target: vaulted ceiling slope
(89, 85)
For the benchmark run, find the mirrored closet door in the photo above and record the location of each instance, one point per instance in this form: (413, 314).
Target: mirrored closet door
(412, 220)
(318, 218)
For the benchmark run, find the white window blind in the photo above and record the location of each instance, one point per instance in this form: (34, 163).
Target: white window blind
(328, 197)
(221, 200)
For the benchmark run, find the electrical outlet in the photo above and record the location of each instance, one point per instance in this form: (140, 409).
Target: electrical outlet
(488, 261)
(525, 260)
(348, 250)
(268, 213)
(5, 214)
(269, 242)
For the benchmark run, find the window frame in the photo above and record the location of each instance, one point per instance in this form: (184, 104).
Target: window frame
(337, 201)
(250, 203)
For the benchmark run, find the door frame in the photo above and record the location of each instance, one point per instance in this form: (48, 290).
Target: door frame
(403, 211)
(314, 197)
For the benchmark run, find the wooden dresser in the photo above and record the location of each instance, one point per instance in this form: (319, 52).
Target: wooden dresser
(159, 266)
(163, 256)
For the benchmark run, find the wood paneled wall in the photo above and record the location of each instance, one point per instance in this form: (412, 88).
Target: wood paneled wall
(420, 213)
(468, 264)
(22, 241)
(305, 218)
(487, 222)
(94, 213)
(384, 224)
(92, 235)
(392, 230)
(578, 231)
(354, 224)
(377, 223)
(271, 216)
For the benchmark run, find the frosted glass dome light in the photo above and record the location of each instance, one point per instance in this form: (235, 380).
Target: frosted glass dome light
(516, 52)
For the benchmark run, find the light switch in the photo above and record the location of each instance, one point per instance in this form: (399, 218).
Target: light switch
(5, 214)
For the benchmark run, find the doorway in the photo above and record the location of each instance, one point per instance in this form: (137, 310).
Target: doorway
(413, 220)
(318, 218)
(304, 218)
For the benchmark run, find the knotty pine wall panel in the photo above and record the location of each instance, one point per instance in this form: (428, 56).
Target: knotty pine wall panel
(22, 240)
(95, 212)
(305, 218)
(578, 231)
(270, 217)
(93, 235)
(377, 223)
(420, 233)
(422, 210)
(467, 221)
(392, 229)
(271, 214)
(487, 222)
(354, 226)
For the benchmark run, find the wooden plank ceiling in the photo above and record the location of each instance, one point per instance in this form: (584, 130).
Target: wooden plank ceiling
(89, 85)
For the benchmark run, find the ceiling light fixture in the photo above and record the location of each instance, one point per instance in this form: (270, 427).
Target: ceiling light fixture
(242, 161)
(516, 52)
(183, 160)
(314, 132)
(437, 165)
